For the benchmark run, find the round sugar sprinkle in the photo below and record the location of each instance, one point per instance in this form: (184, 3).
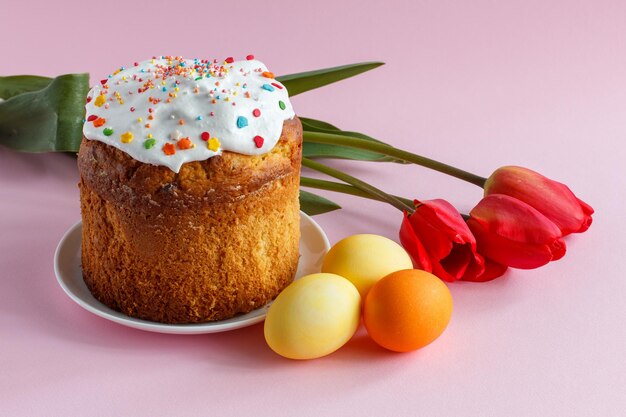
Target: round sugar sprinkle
(242, 122)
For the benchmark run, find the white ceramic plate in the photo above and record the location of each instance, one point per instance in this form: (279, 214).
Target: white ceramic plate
(313, 246)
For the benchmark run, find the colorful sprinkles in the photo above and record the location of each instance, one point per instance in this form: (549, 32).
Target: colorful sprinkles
(127, 137)
(145, 99)
(213, 144)
(242, 122)
(185, 143)
(100, 100)
(169, 149)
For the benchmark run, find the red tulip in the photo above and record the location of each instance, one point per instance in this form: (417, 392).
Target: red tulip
(512, 233)
(439, 241)
(553, 199)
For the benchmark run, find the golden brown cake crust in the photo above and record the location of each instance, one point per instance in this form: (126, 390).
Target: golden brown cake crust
(218, 238)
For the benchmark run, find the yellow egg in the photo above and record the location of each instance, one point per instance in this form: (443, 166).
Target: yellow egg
(364, 259)
(312, 317)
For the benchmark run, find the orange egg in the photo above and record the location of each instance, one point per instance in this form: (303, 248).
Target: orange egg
(406, 310)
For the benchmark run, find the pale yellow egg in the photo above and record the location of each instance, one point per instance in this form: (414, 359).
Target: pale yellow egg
(365, 259)
(313, 317)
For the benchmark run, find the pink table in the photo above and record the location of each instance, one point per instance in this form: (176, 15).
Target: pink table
(480, 85)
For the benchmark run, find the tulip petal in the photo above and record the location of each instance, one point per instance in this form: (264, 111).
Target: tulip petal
(446, 218)
(439, 226)
(558, 249)
(514, 220)
(462, 262)
(456, 262)
(439, 241)
(413, 246)
(491, 271)
(552, 198)
(588, 211)
(517, 254)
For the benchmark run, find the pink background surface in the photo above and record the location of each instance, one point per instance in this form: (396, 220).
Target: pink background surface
(477, 84)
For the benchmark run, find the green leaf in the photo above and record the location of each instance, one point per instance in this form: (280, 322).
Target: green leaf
(18, 84)
(313, 204)
(309, 80)
(325, 150)
(344, 188)
(48, 119)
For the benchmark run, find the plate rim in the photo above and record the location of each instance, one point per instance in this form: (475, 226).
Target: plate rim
(108, 313)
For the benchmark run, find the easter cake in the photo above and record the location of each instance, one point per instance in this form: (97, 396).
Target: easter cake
(189, 179)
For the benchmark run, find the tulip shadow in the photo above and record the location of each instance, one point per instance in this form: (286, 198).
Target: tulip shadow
(484, 297)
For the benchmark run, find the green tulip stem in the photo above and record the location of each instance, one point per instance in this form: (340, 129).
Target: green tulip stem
(329, 138)
(345, 189)
(363, 186)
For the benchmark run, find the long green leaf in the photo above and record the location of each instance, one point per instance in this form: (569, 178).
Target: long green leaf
(18, 84)
(309, 80)
(345, 189)
(313, 204)
(325, 150)
(322, 150)
(335, 139)
(49, 119)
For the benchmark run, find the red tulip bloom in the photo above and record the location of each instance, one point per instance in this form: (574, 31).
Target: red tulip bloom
(512, 233)
(553, 199)
(439, 241)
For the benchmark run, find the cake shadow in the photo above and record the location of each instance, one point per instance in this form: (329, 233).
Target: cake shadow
(237, 349)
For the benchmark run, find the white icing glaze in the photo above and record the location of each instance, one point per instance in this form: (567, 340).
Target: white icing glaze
(222, 99)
